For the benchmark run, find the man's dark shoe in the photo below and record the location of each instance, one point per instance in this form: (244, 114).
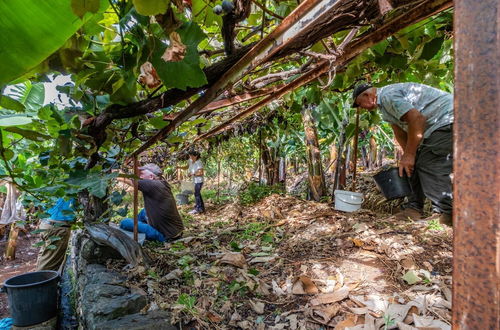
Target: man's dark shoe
(408, 214)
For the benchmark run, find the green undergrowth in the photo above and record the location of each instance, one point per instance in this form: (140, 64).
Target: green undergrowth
(256, 192)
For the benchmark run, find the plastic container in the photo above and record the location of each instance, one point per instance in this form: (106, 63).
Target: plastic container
(348, 201)
(187, 187)
(182, 199)
(391, 184)
(32, 297)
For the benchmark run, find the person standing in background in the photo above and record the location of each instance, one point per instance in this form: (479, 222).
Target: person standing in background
(195, 169)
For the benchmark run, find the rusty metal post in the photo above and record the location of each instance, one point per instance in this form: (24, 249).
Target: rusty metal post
(476, 213)
(136, 192)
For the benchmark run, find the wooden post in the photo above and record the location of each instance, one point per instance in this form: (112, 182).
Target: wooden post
(356, 136)
(218, 171)
(10, 252)
(136, 191)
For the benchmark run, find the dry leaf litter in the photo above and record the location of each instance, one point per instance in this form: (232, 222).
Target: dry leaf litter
(286, 263)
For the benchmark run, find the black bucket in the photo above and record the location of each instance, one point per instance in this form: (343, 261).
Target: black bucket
(32, 297)
(391, 184)
(182, 199)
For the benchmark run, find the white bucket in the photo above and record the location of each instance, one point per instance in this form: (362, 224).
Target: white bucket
(187, 187)
(348, 201)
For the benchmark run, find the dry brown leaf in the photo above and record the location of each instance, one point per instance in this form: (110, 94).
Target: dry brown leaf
(176, 51)
(214, 317)
(350, 321)
(257, 306)
(358, 242)
(148, 76)
(235, 259)
(429, 323)
(327, 312)
(304, 285)
(293, 321)
(408, 264)
(258, 260)
(403, 326)
(328, 298)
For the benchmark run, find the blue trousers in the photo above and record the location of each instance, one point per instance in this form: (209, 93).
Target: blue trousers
(199, 205)
(152, 234)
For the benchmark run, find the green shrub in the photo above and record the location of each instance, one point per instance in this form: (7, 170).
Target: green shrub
(255, 192)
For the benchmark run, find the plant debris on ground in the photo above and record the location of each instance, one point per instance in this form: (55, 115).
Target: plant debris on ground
(287, 263)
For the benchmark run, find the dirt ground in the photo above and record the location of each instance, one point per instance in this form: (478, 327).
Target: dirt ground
(25, 261)
(286, 263)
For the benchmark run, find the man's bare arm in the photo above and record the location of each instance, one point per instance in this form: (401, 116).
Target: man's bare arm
(127, 181)
(400, 135)
(416, 127)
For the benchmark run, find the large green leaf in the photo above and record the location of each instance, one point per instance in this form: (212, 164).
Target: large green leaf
(31, 30)
(11, 104)
(14, 120)
(432, 48)
(95, 183)
(28, 134)
(151, 7)
(81, 7)
(185, 73)
(30, 95)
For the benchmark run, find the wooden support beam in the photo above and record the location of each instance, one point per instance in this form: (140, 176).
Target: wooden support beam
(230, 101)
(136, 199)
(356, 137)
(350, 51)
(274, 44)
(256, 56)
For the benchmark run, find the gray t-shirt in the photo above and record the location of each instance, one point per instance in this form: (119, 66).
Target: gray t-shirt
(160, 207)
(397, 99)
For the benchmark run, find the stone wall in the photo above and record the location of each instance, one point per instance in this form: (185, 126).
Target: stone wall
(102, 298)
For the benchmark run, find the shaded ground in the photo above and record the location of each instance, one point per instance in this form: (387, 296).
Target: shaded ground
(287, 263)
(25, 261)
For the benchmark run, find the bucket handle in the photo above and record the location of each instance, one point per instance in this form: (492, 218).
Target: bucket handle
(362, 201)
(3, 289)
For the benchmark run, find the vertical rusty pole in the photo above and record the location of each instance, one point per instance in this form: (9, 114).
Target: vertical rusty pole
(136, 191)
(356, 136)
(476, 213)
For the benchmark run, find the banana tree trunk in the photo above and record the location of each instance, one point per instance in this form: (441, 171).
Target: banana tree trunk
(333, 158)
(271, 165)
(282, 171)
(315, 167)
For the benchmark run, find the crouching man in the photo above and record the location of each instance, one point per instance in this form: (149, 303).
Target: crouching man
(161, 220)
(422, 120)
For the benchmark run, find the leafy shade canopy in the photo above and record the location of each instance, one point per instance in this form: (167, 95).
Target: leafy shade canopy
(115, 53)
(31, 30)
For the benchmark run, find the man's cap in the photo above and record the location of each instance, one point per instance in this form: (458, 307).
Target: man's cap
(153, 168)
(357, 91)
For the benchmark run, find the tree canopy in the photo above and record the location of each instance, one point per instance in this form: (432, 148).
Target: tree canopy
(132, 66)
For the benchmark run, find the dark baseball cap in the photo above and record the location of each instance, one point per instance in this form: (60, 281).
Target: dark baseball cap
(357, 91)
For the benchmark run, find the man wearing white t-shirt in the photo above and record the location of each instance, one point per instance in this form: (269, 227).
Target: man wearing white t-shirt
(195, 169)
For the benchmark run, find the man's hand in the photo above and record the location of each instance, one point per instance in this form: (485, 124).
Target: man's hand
(407, 164)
